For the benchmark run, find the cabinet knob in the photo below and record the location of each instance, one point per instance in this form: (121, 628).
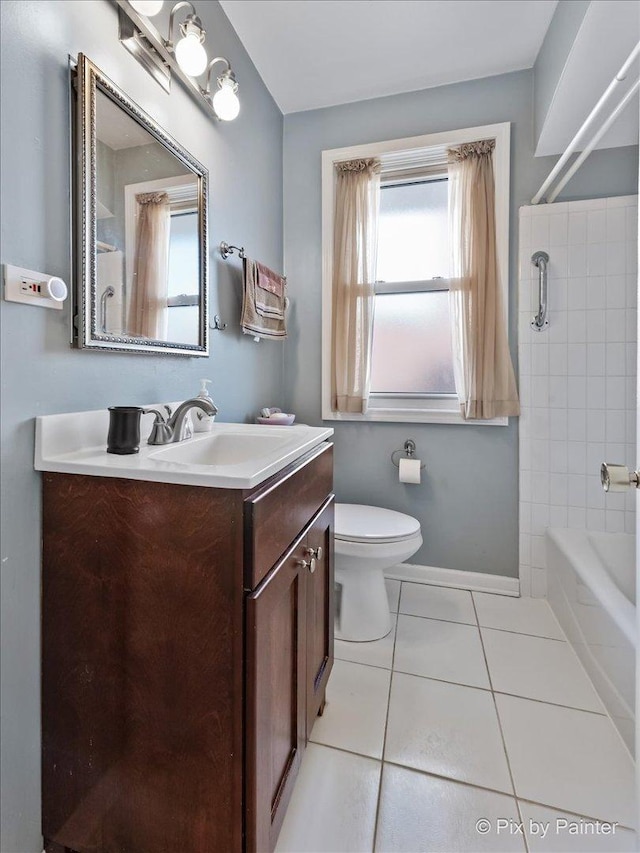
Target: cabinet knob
(307, 564)
(314, 552)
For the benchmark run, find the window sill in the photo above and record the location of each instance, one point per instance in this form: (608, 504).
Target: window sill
(414, 416)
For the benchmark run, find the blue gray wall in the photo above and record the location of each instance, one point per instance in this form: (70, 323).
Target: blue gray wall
(468, 501)
(41, 374)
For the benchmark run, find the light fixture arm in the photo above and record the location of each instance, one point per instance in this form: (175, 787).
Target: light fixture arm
(207, 89)
(183, 4)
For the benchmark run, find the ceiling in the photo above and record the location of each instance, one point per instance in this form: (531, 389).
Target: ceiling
(609, 31)
(318, 53)
(116, 129)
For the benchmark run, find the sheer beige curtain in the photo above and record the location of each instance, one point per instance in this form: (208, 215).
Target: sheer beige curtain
(357, 200)
(149, 310)
(485, 381)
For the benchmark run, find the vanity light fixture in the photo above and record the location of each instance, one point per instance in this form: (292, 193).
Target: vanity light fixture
(147, 7)
(186, 57)
(225, 101)
(189, 51)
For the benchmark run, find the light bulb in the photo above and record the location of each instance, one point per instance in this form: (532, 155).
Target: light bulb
(147, 7)
(225, 102)
(191, 55)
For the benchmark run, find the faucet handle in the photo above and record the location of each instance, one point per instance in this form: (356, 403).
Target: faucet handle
(161, 432)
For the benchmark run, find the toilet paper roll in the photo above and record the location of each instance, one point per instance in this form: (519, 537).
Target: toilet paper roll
(409, 470)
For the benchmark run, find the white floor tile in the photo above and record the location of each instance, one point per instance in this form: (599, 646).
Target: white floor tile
(333, 807)
(570, 760)
(537, 668)
(393, 593)
(437, 602)
(356, 711)
(423, 813)
(375, 653)
(446, 729)
(436, 649)
(566, 833)
(522, 615)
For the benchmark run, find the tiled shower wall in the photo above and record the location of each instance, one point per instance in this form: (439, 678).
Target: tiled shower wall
(578, 377)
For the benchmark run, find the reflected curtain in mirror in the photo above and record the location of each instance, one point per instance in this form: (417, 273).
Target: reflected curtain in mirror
(149, 312)
(484, 376)
(357, 202)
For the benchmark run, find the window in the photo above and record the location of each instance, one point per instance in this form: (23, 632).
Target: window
(413, 240)
(412, 345)
(412, 352)
(412, 357)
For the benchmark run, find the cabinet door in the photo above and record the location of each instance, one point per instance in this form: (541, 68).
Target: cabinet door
(276, 669)
(320, 610)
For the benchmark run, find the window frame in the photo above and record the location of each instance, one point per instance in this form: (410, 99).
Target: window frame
(418, 151)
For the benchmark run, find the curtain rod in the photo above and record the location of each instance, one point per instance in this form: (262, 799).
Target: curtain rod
(620, 76)
(592, 144)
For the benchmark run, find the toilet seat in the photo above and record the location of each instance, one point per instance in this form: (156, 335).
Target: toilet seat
(373, 524)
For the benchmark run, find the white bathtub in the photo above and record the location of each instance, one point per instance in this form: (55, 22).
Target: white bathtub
(592, 590)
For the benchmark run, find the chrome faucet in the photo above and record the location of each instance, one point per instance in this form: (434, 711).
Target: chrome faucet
(175, 427)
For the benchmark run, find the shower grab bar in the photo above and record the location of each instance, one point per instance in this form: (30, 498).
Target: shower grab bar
(541, 260)
(107, 293)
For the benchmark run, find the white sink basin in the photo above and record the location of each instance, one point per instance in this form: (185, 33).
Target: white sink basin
(231, 456)
(230, 448)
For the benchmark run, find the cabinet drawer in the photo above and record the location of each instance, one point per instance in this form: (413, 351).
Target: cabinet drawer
(276, 513)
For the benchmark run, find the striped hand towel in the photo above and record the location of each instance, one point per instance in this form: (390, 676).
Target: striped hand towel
(264, 302)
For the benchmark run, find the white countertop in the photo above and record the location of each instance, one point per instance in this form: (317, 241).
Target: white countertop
(75, 443)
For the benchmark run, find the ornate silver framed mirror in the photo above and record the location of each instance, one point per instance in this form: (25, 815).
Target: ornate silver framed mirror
(141, 263)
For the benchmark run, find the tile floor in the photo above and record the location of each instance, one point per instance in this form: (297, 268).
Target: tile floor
(473, 707)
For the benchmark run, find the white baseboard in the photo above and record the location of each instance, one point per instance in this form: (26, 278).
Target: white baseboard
(455, 578)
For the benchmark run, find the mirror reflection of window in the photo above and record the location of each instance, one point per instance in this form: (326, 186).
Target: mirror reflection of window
(184, 277)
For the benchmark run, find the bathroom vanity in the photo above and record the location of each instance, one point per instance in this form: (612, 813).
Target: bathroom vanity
(187, 638)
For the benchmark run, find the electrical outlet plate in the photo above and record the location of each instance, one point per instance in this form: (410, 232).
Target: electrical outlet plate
(32, 288)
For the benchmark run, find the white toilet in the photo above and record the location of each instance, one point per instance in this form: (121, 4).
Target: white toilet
(368, 540)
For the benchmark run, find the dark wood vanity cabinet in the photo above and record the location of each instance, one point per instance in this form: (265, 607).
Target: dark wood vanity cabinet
(187, 639)
(289, 630)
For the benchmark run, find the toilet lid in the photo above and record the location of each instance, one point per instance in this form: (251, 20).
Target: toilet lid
(359, 523)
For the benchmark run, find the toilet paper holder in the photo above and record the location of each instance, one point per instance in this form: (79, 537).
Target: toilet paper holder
(409, 451)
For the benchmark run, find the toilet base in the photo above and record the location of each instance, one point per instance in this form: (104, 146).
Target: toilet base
(364, 607)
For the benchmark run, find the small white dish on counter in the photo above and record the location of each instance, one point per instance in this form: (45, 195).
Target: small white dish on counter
(230, 456)
(278, 419)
